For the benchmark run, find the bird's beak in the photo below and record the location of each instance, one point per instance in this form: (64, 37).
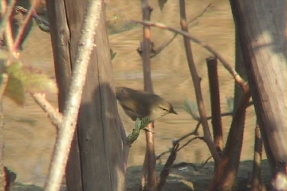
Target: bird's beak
(172, 111)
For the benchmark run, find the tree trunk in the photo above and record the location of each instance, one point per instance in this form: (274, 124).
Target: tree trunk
(262, 26)
(96, 158)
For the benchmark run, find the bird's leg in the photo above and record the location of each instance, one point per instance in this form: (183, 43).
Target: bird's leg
(146, 129)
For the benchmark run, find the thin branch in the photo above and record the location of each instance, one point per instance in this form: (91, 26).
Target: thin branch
(54, 115)
(189, 141)
(194, 166)
(161, 154)
(164, 45)
(194, 132)
(215, 103)
(8, 13)
(227, 168)
(149, 162)
(34, 15)
(9, 40)
(196, 84)
(67, 128)
(165, 171)
(229, 68)
(199, 15)
(256, 182)
(23, 26)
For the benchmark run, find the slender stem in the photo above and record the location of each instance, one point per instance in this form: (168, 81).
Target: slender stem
(229, 68)
(256, 182)
(8, 13)
(24, 25)
(146, 47)
(215, 103)
(197, 88)
(54, 115)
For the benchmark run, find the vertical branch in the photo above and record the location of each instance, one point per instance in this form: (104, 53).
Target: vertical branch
(150, 151)
(60, 36)
(215, 103)
(6, 24)
(256, 172)
(150, 158)
(61, 40)
(2, 171)
(226, 171)
(145, 46)
(6, 12)
(67, 128)
(196, 83)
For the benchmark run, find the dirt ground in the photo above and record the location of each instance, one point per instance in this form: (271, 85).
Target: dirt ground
(183, 179)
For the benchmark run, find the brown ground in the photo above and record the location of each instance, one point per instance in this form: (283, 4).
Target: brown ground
(30, 136)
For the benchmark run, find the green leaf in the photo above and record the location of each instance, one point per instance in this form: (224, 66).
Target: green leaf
(161, 4)
(113, 54)
(33, 81)
(230, 103)
(15, 90)
(191, 108)
(139, 125)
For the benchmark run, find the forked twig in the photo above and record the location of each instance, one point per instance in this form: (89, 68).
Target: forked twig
(23, 25)
(229, 68)
(196, 84)
(164, 45)
(54, 115)
(194, 132)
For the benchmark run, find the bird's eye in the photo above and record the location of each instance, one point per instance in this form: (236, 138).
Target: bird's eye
(164, 109)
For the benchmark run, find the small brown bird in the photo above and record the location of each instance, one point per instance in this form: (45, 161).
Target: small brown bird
(140, 104)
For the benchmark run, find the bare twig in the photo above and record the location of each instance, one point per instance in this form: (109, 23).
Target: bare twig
(199, 15)
(187, 142)
(256, 184)
(9, 40)
(194, 132)
(34, 15)
(165, 171)
(54, 115)
(215, 103)
(149, 162)
(8, 13)
(161, 154)
(196, 84)
(23, 26)
(229, 68)
(194, 166)
(150, 158)
(67, 128)
(164, 45)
